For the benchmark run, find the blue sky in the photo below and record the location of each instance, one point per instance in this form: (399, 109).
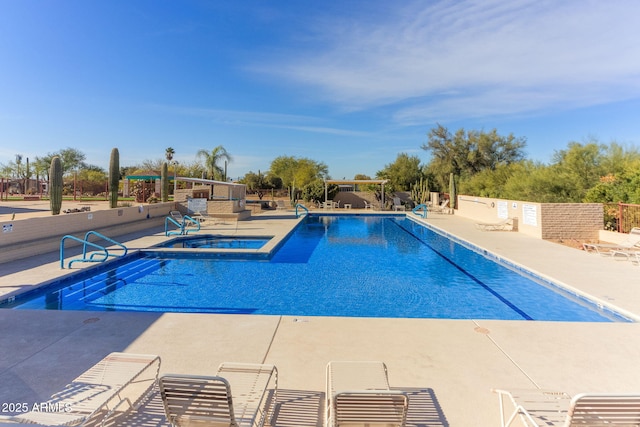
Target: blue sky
(347, 83)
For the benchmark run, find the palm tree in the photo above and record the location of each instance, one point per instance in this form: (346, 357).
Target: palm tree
(211, 160)
(168, 153)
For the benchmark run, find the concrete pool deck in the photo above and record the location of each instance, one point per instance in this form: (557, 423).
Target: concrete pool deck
(447, 366)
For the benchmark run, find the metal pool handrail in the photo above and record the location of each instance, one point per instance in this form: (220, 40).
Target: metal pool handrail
(167, 220)
(417, 208)
(303, 207)
(103, 237)
(183, 226)
(102, 255)
(193, 221)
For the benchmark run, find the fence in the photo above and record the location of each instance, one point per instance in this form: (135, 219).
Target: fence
(621, 217)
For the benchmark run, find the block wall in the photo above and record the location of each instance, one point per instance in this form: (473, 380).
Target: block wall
(32, 236)
(571, 220)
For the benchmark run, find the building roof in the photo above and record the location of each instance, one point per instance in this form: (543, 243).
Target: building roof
(356, 181)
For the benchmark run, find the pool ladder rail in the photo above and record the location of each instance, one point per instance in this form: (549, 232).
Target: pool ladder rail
(303, 207)
(184, 227)
(416, 210)
(100, 255)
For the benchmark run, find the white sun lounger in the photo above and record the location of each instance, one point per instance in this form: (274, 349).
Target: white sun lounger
(117, 379)
(632, 255)
(552, 408)
(442, 208)
(632, 241)
(238, 396)
(358, 395)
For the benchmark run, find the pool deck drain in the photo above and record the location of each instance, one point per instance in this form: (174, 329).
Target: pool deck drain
(447, 366)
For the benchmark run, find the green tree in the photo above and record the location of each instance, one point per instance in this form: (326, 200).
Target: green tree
(402, 173)
(212, 160)
(93, 180)
(536, 182)
(154, 165)
(624, 188)
(314, 191)
(618, 158)
(466, 153)
(361, 176)
(489, 183)
(71, 159)
(580, 165)
(255, 181)
(297, 172)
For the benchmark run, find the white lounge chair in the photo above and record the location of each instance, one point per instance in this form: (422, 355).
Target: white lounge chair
(552, 408)
(238, 396)
(505, 224)
(632, 255)
(442, 208)
(118, 379)
(632, 241)
(368, 205)
(358, 395)
(200, 216)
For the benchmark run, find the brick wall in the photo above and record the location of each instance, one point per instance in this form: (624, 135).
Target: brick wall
(571, 220)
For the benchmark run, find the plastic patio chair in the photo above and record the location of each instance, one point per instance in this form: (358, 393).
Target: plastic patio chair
(549, 408)
(238, 396)
(116, 380)
(358, 394)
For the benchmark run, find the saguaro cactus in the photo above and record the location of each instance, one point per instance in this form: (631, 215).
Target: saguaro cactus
(164, 182)
(114, 178)
(55, 185)
(420, 191)
(452, 192)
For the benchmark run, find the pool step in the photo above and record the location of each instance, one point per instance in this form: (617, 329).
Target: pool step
(96, 287)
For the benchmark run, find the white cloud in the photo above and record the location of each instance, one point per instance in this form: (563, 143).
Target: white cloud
(261, 119)
(474, 58)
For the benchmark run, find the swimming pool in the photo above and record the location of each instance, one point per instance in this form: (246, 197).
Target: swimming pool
(217, 242)
(356, 266)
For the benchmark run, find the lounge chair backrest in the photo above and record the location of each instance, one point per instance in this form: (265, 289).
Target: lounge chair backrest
(118, 378)
(370, 408)
(597, 410)
(194, 398)
(358, 395)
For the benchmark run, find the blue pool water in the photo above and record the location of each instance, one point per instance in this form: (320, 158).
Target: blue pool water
(358, 266)
(217, 242)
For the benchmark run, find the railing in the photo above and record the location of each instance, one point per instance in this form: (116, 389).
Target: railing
(169, 220)
(101, 255)
(621, 217)
(303, 207)
(416, 210)
(183, 227)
